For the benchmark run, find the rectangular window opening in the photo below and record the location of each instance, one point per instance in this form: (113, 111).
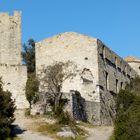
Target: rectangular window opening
(107, 81)
(117, 89)
(121, 85)
(116, 62)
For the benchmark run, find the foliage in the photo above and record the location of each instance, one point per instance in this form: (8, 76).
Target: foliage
(134, 86)
(55, 76)
(32, 85)
(7, 109)
(66, 119)
(28, 55)
(127, 123)
(27, 112)
(52, 129)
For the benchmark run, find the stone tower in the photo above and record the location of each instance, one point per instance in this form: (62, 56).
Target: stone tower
(134, 63)
(13, 73)
(10, 39)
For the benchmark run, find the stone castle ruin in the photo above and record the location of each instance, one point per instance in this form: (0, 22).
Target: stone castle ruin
(100, 73)
(13, 73)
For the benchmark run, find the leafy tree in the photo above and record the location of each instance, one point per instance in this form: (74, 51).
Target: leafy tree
(32, 89)
(55, 76)
(29, 59)
(7, 108)
(28, 55)
(127, 123)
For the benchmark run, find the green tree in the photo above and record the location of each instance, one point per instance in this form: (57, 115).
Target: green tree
(55, 76)
(7, 108)
(32, 89)
(28, 55)
(127, 122)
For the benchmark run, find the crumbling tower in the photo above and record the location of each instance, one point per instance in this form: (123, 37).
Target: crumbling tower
(13, 73)
(134, 63)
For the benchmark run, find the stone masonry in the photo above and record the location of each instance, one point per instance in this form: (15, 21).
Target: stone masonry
(12, 72)
(101, 73)
(134, 63)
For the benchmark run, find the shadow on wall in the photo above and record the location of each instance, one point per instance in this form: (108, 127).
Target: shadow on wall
(79, 104)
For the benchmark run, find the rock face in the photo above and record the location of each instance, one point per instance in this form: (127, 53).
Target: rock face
(13, 73)
(101, 73)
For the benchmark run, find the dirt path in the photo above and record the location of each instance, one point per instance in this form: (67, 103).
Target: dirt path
(100, 133)
(23, 128)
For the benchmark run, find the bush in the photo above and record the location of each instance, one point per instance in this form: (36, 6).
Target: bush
(65, 119)
(62, 116)
(32, 89)
(127, 123)
(7, 109)
(27, 112)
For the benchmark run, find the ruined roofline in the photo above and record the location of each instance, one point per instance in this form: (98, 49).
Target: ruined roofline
(134, 61)
(10, 15)
(113, 52)
(77, 33)
(63, 34)
(51, 39)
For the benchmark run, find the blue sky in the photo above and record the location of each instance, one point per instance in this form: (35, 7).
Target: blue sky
(115, 22)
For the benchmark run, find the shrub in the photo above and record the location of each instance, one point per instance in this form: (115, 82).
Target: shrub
(7, 109)
(27, 112)
(32, 89)
(66, 119)
(127, 123)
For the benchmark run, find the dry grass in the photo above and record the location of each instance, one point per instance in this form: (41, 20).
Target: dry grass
(52, 129)
(87, 125)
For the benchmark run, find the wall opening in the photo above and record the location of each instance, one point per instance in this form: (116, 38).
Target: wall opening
(116, 63)
(125, 69)
(86, 58)
(121, 85)
(103, 50)
(117, 89)
(107, 80)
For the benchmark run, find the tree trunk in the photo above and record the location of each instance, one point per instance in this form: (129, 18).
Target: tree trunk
(30, 105)
(57, 101)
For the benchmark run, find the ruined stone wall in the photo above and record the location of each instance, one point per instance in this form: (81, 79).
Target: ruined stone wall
(114, 74)
(136, 66)
(12, 72)
(82, 51)
(101, 73)
(78, 49)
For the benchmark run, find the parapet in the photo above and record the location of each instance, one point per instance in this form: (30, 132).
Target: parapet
(15, 13)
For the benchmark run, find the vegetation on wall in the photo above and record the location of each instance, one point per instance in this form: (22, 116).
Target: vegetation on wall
(127, 123)
(7, 108)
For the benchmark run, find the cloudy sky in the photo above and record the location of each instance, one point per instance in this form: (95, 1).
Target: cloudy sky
(115, 22)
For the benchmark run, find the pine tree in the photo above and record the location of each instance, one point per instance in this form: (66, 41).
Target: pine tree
(7, 108)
